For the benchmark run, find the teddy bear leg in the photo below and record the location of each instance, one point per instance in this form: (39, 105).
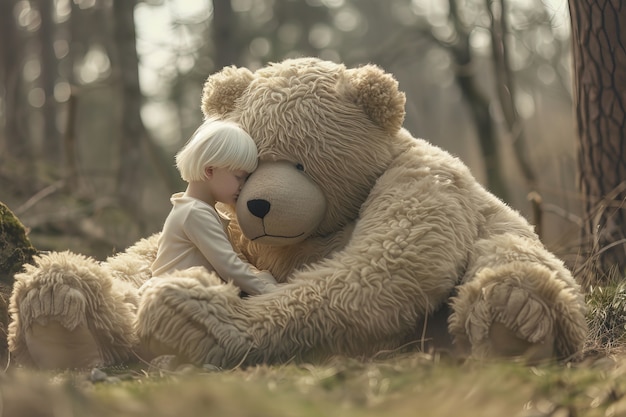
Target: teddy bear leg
(520, 309)
(67, 312)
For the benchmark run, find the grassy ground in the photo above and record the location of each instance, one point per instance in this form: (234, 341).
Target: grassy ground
(410, 385)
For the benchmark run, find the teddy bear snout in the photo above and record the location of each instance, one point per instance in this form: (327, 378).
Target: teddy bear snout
(259, 207)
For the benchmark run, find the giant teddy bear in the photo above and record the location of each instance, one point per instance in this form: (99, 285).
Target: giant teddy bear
(372, 231)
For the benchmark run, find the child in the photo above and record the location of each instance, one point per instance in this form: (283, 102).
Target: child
(215, 162)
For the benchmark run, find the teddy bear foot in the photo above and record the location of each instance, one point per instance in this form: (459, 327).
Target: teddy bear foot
(52, 346)
(67, 312)
(504, 343)
(511, 312)
(507, 340)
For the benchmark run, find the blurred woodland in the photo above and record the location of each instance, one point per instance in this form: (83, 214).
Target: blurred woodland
(98, 95)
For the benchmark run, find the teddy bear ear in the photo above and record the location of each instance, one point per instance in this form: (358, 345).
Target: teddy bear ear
(223, 88)
(377, 92)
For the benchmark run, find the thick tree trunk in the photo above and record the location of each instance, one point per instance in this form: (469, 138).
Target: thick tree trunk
(599, 54)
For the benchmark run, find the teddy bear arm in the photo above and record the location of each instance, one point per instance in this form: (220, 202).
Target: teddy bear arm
(361, 300)
(337, 308)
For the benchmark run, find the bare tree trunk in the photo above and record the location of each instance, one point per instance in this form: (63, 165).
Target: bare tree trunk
(505, 87)
(11, 60)
(133, 129)
(49, 73)
(307, 16)
(224, 33)
(599, 55)
(478, 104)
(71, 172)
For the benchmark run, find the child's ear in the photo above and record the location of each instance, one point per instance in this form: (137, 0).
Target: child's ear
(208, 172)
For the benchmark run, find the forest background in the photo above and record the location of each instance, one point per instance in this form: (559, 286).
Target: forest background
(98, 95)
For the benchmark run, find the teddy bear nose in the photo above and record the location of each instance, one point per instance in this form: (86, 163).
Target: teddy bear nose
(259, 207)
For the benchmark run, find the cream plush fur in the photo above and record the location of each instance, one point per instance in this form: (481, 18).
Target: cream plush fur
(373, 232)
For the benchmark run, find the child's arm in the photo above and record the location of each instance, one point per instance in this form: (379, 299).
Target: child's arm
(206, 232)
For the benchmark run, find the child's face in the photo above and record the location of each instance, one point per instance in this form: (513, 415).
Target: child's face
(226, 184)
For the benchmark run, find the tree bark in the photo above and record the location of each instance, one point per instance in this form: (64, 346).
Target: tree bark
(599, 57)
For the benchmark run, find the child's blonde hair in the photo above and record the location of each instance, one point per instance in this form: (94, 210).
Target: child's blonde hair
(218, 144)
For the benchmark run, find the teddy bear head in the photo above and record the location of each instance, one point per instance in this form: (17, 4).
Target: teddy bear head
(325, 133)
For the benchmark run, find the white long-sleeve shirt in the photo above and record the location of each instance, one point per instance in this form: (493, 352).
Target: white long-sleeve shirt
(194, 235)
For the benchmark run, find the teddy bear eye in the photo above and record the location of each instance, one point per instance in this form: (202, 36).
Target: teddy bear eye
(300, 167)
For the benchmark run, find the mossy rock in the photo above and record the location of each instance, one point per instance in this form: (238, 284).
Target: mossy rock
(15, 248)
(15, 251)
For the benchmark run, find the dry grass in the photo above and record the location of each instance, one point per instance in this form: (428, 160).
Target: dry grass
(409, 385)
